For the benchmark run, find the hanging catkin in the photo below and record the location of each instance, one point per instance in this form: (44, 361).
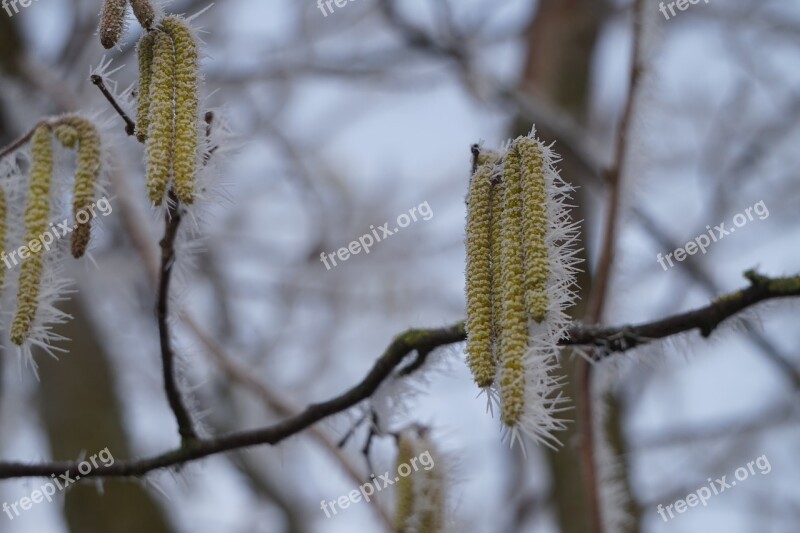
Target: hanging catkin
(187, 105)
(37, 211)
(77, 131)
(513, 322)
(144, 12)
(479, 274)
(112, 22)
(145, 55)
(161, 130)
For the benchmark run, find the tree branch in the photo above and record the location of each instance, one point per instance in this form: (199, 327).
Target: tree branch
(706, 319)
(402, 345)
(424, 341)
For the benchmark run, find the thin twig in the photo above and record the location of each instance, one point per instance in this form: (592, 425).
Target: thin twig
(130, 125)
(19, 143)
(597, 297)
(172, 220)
(616, 173)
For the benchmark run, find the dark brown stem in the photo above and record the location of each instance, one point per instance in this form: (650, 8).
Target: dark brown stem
(130, 125)
(172, 220)
(602, 278)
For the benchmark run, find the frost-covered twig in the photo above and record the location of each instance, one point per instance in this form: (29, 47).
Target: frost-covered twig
(130, 127)
(706, 319)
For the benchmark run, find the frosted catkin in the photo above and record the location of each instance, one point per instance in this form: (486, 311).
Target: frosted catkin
(112, 22)
(187, 105)
(37, 211)
(87, 174)
(144, 12)
(145, 56)
(161, 130)
(513, 322)
(535, 227)
(479, 276)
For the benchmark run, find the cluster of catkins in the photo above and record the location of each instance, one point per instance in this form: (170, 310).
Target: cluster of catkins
(520, 273)
(168, 103)
(167, 121)
(32, 236)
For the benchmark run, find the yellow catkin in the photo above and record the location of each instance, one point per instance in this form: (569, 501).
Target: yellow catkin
(145, 54)
(187, 106)
(513, 322)
(535, 227)
(87, 174)
(37, 211)
(112, 22)
(432, 517)
(161, 130)
(420, 494)
(478, 276)
(67, 135)
(144, 12)
(405, 486)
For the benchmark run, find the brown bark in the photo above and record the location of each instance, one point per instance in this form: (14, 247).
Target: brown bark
(560, 51)
(80, 411)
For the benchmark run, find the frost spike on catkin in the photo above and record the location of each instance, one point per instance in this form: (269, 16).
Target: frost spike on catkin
(479, 274)
(161, 130)
(145, 55)
(112, 22)
(535, 227)
(513, 322)
(87, 174)
(187, 106)
(37, 211)
(144, 12)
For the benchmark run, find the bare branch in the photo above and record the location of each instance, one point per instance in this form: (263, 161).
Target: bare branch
(424, 341)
